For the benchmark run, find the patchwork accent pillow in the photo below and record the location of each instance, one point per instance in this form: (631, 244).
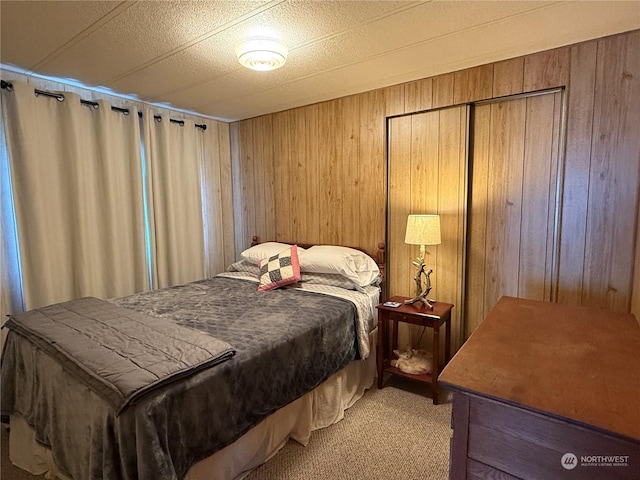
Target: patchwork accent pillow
(279, 270)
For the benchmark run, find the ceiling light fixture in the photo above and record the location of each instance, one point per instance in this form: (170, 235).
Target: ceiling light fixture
(261, 53)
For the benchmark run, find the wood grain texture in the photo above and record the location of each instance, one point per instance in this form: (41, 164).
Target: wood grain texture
(226, 184)
(479, 196)
(427, 174)
(443, 90)
(310, 174)
(480, 471)
(399, 269)
(506, 147)
(512, 223)
(508, 77)
(545, 356)
(635, 296)
(419, 95)
(548, 69)
(372, 171)
(614, 182)
(473, 84)
(460, 425)
(577, 164)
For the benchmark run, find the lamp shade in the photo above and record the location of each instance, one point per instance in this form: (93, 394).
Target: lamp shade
(423, 230)
(261, 53)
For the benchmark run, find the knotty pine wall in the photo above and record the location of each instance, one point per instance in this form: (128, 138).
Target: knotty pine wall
(318, 173)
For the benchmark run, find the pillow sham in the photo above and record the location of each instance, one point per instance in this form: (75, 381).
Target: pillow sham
(264, 250)
(353, 264)
(331, 279)
(245, 266)
(279, 270)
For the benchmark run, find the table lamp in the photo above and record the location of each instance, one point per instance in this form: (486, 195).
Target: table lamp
(422, 230)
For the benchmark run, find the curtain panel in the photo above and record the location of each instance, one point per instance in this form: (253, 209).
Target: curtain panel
(175, 199)
(77, 187)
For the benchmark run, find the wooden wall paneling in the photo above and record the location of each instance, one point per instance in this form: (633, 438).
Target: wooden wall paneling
(577, 164)
(226, 182)
(548, 69)
(265, 226)
(328, 179)
(372, 171)
(474, 311)
(538, 199)
(236, 165)
(248, 183)
(443, 90)
(556, 185)
(451, 206)
(508, 77)
(427, 174)
(424, 174)
(394, 100)
(312, 212)
(297, 175)
(506, 148)
(400, 255)
(350, 175)
(635, 296)
(473, 84)
(612, 209)
(419, 95)
(282, 123)
(513, 200)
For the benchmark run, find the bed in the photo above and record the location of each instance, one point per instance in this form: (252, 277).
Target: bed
(302, 353)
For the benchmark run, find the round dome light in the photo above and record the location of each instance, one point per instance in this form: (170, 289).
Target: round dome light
(261, 53)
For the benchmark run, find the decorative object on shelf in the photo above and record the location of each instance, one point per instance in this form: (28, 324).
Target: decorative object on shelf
(422, 230)
(261, 53)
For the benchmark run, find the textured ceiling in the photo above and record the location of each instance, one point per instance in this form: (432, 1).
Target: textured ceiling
(182, 53)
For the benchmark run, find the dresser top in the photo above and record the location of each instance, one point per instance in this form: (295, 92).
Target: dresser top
(580, 364)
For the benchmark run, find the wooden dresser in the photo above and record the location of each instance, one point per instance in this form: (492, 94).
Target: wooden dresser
(547, 391)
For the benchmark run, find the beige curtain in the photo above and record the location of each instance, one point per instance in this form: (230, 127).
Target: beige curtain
(175, 202)
(10, 283)
(77, 187)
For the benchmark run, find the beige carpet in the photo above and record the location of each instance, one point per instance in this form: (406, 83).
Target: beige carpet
(393, 433)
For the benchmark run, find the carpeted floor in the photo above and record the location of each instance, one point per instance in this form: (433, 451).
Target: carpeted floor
(393, 433)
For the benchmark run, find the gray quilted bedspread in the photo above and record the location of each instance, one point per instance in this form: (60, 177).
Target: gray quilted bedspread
(120, 353)
(287, 342)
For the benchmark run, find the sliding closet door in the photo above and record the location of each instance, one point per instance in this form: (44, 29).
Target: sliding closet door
(428, 174)
(514, 202)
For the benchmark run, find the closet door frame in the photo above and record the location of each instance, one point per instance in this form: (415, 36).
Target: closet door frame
(461, 331)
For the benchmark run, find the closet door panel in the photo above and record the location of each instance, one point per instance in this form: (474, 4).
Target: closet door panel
(427, 174)
(513, 202)
(399, 254)
(538, 207)
(504, 209)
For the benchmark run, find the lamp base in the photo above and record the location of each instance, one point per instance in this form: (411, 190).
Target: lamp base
(420, 299)
(421, 295)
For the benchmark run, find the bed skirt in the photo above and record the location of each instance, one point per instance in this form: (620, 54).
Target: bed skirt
(323, 406)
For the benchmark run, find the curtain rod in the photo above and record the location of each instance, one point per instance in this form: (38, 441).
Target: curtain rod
(60, 97)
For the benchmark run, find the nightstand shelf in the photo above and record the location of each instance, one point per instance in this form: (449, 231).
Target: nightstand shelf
(415, 315)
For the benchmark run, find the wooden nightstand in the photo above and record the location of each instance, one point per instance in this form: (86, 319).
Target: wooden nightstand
(416, 315)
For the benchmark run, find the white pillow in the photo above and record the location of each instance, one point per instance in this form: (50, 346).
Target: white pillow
(353, 264)
(265, 250)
